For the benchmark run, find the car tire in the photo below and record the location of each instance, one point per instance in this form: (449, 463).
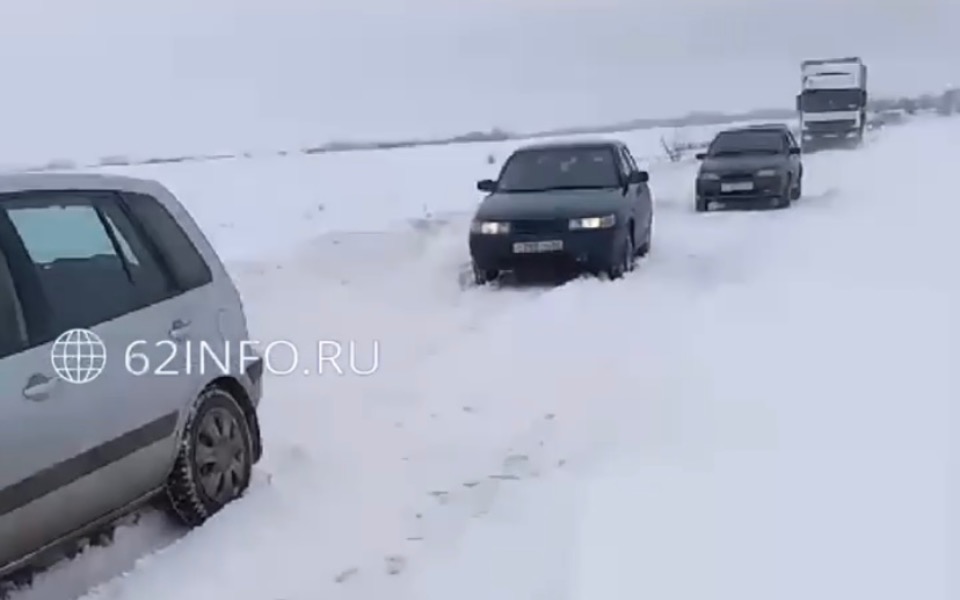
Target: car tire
(215, 459)
(644, 248)
(626, 262)
(797, 190)
(483, 276)
(785, 198)
(702, 205)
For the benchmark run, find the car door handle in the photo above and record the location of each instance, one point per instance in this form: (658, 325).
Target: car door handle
(179, 329)
(39, 387)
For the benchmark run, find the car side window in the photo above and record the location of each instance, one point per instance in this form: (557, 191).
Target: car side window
(13, 329)
(174, 247)
(87, 258)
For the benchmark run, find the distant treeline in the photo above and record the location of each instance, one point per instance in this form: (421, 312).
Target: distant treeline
(945, 103)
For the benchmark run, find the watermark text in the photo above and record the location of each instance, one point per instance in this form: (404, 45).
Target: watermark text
(280, 357)
(80, 356)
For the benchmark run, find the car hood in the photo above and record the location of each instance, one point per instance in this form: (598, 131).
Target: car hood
(752, 162)
(552, 204)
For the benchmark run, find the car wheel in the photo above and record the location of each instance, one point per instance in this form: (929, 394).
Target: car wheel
(702, 205)
(483, 276)
(214, 463)
(785, 197)
(626, 262)
(797, 190)
(644, 248)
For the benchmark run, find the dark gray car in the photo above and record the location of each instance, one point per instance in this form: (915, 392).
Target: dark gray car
(584, 205)
(758, 165)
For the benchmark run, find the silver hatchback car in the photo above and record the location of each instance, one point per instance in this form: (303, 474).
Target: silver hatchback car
(126, 373)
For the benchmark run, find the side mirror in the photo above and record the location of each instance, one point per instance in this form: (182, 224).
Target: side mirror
(794, 150)
(487, 185)
(700, 155)
(639, 177)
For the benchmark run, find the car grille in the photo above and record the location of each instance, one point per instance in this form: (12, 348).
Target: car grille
(540, 226)
(829, 126)
(737, 176)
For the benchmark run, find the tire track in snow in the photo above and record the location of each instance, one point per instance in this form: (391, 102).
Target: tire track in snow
(696, 249)
(458, 479)
(419, 265)
(459, 312)
(395, 268)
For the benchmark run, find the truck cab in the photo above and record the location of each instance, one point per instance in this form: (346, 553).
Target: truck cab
(832, 104)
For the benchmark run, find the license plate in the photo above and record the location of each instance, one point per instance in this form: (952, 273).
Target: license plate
(535, 247)
(740, 186)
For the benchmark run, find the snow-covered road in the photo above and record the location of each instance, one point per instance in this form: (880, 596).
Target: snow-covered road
(762, 410)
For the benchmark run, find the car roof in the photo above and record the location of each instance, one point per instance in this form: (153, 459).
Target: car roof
(24, 182)
(777, 127)
(567, 144)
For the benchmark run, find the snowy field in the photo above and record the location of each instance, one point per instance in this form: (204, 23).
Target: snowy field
(284, 200)
(760, 411)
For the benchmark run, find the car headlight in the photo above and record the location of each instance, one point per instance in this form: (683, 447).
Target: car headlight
(709, 176)
(767, 173)
(490, 227)
(594, 222)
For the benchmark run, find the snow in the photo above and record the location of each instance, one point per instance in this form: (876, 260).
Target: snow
(762, 410)
(309, 195)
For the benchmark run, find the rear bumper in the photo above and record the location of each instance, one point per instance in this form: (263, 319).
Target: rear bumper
(596, 249)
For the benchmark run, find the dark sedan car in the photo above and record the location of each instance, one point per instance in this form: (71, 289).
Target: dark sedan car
(583, 205)
(758, 165)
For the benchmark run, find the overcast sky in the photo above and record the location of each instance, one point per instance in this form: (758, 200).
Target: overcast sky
(104, 74)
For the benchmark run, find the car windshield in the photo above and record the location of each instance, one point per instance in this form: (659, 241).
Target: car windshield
(814, 101)
(560, 168)
(734, 143)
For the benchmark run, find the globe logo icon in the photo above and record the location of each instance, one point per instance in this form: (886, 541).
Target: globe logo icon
(78, 356)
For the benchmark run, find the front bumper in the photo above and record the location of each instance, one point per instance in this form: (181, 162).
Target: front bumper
(762, 190)
(585, 249)
(830, 133)
(825, 140)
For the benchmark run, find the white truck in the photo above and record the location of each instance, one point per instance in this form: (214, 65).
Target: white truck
(832, 103)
